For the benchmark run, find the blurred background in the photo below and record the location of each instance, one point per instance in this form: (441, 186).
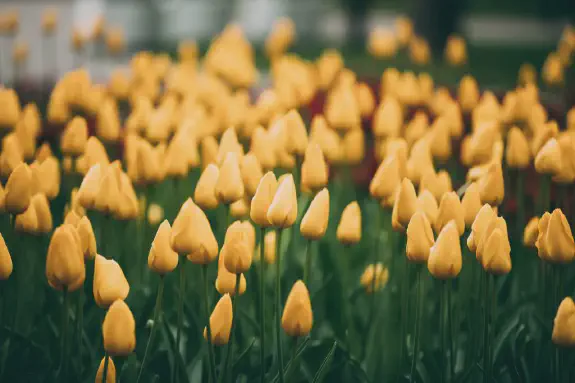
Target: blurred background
(501, 34)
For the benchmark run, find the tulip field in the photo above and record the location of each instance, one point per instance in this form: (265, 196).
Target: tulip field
(180, 223)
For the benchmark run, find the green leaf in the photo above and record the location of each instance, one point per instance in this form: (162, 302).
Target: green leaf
(290, 368)
(320, 375)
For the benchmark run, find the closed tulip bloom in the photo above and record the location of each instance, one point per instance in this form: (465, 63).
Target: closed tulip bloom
(161, 258)
(6, 265)
(314, 171)
(494, 224)
(541, 241)
(437, 183)
(374, 278)
(349, 228)
(262, 200)
(297, 140)
(382, 43)
(119, 330)
(564, 324)
(74, 137)
(456, 51)
(261, 144)
(496, 255)
(314, 222)
(491, 185)
(72, 218)
(238, 248)
(482, 220)
(27, 222)
(468, 93)
(450, 209)
(531, 232)
(548, 159)
(297, 317)
(419, 238)
(385, 179)
(90, 186)
(445, 260)
(517, 154)
(46, 177)
(43, 213)
(107, 121)
(18, 190)
(427, 204)
(471, 204)
(87, 238)
(65, 262)
(251, 172)
(110, 283)
(229, 144)
(111, 373)
(342, 110)
(229, 187)
(11, 111)
(270, 247)
(353, 145)
(420, 162)
(226, 281)
(205, 193)
(221, 322)
(155, 214)
(240, 208)
(108, 194)
(282, 211)
(566, 174)
(209, 150)
(560, 244)
(193, 235)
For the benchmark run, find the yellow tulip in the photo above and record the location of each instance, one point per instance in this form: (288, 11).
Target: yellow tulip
(482, 220)
(110, 374)
(548, 159)
(18, 190)
(326, 138)
(374, 278)
(119, 330)
(571, 119)
(445, 260)
(353, 146)
(403, 30)
(468, 93)
(6, 265)
(282, 212)
(314, 222)
(382, 43)
(65, 262)
(314, 170)
(385, 179)
(491, 185)
(262, 200)
(420, 161)
(342, 109)
(226, 281)
(205, 193)
(427, 204)
(440, 139)
(280, 37)
(74, 137)
(450, 209)
(349, 228)
(496, 255)
(455, 51)
(261, 146)
(43, 213)
(553, 72)
(161, 258)
(49, 20)
(419, 238)
(193, 235)
(471, 204)
(221, 322)
(437, 183)
(87, 238)
(238, 247)
(177, 158)
(297, 140)
(559, 240)
(419, 51)
(517, 154)
(107, 121)
(297, 317)
(108, 193)
(481, 143)
(155, 214)
(46, 177)
(541, 241)
(365, 99)
(10, 114)
(115, 41)
(229, 187)
(531, 232)
(110, 284)
(229, 144)
(564, 324)
(542, 133)
(404, 206)
(251, 172)
(498, 223)
(27, 222)
(240, 208)
(388, 118)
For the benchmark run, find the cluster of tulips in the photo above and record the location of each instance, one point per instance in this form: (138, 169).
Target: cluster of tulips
(183, 150)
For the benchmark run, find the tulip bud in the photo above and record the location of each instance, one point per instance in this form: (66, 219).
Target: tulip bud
(541, 241)
(314, 223)
(192, 234)
(326, 138)
(374, 278)
(10, 114)
(517, 154)
(46, 177)
(382, 43)
(107, 121)
(226, 281)
(314, 171)
(455, 51)
(110, 374)
(427, 204)
(560, 246)
(419, 238)
(155, 214)
(553, 72)
(450, 209)
(491, 185)
(445, 260)
(531, 232)
(261, 147)
(297, 140)
(41, 208)
(341, 109)
(18, 190)
(349, 228)
(564, 324)
(262, 200)
(6, 265)
(471, 204)
(542, 133)
(229, 187)
(282, 212)
(297, 317)
(482, 220)
(440, 139)
(405, 205)
(162, 259)
(353, 145)
(119, 330)
(74, 137)
(108, 192)
(251, 172)
(237, 250)
(388, 118)
(221, 322)
(548, 159)
(468, 93)
(87, 238)
(437, 183)
(64, 262)
(385, 179)
(229, 144)
(496, 257)
(420, 161)
(110, 284)
(419, 51)
(27, 222)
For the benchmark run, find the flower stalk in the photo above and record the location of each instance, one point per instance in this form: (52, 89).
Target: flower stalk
(157, 313)
(262, 305)
(212, 359)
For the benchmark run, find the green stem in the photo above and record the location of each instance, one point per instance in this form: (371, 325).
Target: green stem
(544, 191)
(65, 321)
(417, 324)
(278, 305)
(404, 310)
(307, 269)
(451, 349)
(520, 194)
(262, 306)
(230, 349)
(486, 330)
(105, 376)
(157, 313)
(442, 335)
(181, 266)
(80, 323)
(211, 356)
